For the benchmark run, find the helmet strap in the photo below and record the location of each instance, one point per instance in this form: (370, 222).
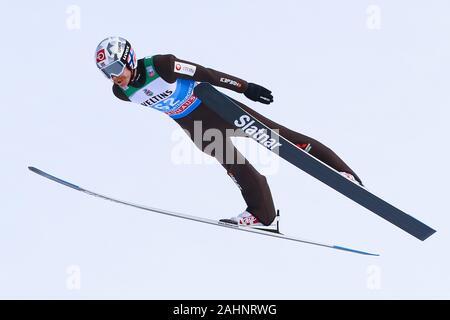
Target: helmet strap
(134, 75)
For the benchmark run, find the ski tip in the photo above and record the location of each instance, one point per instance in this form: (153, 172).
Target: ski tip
(357, 251)
(49, 176)
(35, 170)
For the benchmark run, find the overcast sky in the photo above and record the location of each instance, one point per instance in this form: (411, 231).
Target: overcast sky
(370, 79)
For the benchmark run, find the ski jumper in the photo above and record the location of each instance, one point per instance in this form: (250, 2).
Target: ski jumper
(166, 83)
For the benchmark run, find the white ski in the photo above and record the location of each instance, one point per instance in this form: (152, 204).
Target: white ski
(194, 218)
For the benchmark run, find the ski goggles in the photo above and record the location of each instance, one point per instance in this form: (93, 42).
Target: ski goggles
(114, 69)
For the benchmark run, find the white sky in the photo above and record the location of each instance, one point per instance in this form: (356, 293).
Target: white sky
(379, 97)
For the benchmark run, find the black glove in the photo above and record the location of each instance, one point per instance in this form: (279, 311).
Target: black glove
(257, 93)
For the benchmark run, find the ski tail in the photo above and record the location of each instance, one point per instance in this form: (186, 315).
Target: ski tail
(61, 181)
(355, 251)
